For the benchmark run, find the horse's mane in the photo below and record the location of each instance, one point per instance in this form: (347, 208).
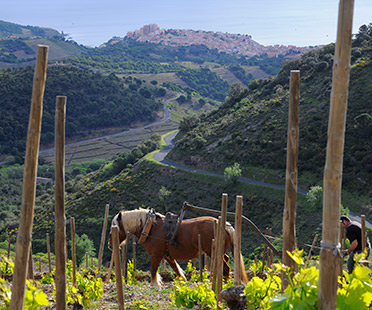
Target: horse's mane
(134, 219)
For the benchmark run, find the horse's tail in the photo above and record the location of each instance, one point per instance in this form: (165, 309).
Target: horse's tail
(231, 231)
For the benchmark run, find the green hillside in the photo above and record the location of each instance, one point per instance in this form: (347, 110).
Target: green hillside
(94, 101)
(14, 30)
(18, 44)
(127, 183)
(250, 128)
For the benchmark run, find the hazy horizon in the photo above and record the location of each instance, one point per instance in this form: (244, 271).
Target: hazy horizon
(286, 22)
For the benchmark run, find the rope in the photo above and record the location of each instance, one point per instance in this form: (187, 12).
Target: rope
(336, 248)
(275, 237)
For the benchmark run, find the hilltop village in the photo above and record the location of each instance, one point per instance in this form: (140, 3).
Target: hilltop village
(223, 42)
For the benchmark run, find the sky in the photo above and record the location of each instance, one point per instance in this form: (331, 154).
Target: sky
(269, 22)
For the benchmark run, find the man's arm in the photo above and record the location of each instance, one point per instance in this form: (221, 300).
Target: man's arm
(353, 246)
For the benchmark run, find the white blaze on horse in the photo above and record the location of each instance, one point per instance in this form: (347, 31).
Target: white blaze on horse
(148, 226)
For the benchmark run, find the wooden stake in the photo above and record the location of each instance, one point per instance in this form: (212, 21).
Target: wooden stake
(48, 249)
(39, 264)
(264, 251)
(103, 238)
(363, 224)
(213, 257)
(122, 247)
(312, 249)
(134, 252)
(214, 254)
(8, 253)
(86, 260)
(289, 213)
(110, 269)
(116, 255)
(126, 244)
(73, 250)
(237, 240)
(60, 218)
(221, 244)
(29, 181)
(200, 259)
(30, 269)
(329, 258)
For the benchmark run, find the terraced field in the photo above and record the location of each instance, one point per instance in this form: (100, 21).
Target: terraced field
(107, 146)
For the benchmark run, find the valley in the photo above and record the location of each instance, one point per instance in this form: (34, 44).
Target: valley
(228, 110)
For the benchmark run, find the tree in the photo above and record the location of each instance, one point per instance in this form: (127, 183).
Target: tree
(236, 93)
(181, 99)
(315, 196)
(162, 92)
(83, 245)
(163, 195)
(233, 173)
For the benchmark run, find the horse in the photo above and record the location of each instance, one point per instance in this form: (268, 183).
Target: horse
(158, 246)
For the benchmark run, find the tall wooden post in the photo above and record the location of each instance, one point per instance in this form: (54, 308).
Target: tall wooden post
(214, 255)
(103, 237)
(221, 244)
(60, 218)
(125, 253)
(116, 255)
(110, 269)
(264, 251)
(237, 240)
(363, 224)
(134, 253)
(213, 263)
(29, 181)
(30, 269)
(48, 249)
(73, 250)
(200, 259)
(312, 249)
(329, 256)
(8, 252)
(341, 248)
(289, 213)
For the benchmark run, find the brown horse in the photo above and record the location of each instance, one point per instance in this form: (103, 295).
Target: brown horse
(158, 246)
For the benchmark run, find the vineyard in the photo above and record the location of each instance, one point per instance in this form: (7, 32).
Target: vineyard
(94, 290)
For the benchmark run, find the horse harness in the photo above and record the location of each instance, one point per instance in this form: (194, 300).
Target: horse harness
(151, 217)
(172, 222)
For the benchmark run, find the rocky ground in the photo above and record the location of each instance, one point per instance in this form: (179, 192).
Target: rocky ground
(140, 295)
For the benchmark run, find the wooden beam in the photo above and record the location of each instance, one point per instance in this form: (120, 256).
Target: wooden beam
(289, 213)
(329, 257)
(73, 250)
(48, 249)
(364, 236)
(237, 240)
(29, 181)
(221, 244)
(103, 237)
(116, 255)
(60, 218)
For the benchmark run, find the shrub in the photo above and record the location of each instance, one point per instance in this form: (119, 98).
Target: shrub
(233, 173)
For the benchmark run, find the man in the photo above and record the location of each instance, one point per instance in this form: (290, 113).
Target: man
(354, 234)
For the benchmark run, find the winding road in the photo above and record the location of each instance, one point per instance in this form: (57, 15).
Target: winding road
(169, 140)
